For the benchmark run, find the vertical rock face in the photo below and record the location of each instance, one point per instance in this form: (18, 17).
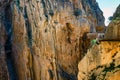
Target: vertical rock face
(113, 30)
(102, 62)
(49, 36)
(3, 66)
(116, 15)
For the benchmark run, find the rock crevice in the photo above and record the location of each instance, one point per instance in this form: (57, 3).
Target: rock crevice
(49, 36)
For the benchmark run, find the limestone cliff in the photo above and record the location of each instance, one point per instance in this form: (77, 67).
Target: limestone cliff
(116, 15)
(102, 62)
(47, 38)
(113, 30)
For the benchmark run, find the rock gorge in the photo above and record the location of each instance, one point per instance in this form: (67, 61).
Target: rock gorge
(47, 39)
(102, 62)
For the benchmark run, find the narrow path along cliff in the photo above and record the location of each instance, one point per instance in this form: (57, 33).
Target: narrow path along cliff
(47, 39)
(102, 62)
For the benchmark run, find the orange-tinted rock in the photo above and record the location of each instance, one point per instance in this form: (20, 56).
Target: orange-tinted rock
(49, 36)
(101, 62)
(113, 31)
(100, 29)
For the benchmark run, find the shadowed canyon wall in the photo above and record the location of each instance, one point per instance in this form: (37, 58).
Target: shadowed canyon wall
(47, 38)
(3, 66)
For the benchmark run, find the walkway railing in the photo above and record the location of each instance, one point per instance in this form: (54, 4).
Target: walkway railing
(101, 37)
(96, 35)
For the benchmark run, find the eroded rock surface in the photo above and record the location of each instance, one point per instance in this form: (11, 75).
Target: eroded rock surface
(113, 30)
(102, 61)
(48, 37)
(3, 65)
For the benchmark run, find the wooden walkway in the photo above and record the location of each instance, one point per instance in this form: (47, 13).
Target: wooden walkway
(109, 39)
(95, 35)
(101, 37)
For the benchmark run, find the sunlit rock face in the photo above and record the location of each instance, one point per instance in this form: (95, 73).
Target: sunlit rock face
(102, 62)
(49, 36)
(113, 30)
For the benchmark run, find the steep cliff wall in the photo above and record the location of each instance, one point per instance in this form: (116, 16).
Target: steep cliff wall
(113, 30)
(116, 15)
(48, 37)
(3, 66)
(7, 70)
(102, 62)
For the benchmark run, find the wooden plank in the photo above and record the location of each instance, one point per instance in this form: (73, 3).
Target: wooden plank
(109, 39)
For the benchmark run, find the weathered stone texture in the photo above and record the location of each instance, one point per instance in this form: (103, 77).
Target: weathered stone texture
(113, 31)
(3, 66)
(102, 62)
(48, 37)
